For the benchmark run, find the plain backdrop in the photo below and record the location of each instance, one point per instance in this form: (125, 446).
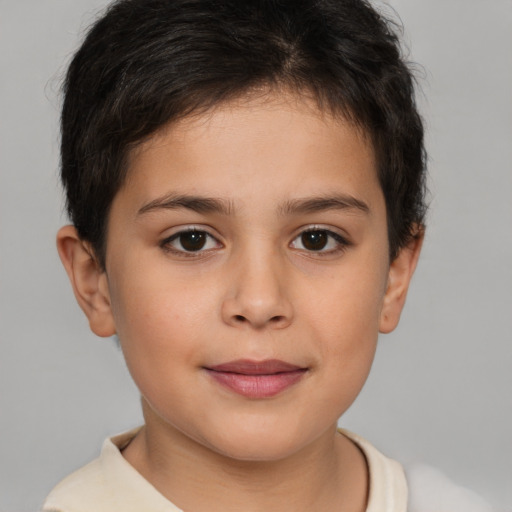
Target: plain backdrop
(440, 390)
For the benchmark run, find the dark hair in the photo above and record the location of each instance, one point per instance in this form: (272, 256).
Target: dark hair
(146, 63)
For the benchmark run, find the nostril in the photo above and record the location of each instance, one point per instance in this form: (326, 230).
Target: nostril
(239, 318)
(277, 319)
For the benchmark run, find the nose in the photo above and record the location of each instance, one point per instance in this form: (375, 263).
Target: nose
(258, 294)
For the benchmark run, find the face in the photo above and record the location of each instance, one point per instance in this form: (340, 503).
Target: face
(247, 275)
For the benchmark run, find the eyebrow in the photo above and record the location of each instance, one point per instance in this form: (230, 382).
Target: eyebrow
(323, 203)
(198, 204)
(202, 204)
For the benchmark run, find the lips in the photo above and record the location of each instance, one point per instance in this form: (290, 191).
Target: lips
(256, 379)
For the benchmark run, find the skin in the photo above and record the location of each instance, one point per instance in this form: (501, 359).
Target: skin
(255, 291)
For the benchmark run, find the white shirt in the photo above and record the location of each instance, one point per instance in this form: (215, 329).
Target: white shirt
(109, 483)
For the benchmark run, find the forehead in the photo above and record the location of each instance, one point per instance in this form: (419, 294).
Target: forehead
(272, 144)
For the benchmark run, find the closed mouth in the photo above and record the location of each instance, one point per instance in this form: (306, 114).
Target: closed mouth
(256, 379)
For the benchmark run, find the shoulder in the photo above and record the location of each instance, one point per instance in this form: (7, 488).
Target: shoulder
(95, 485)
(77, 492)
(387, 482)
(432, 491)
(415, 488)
(106, 484)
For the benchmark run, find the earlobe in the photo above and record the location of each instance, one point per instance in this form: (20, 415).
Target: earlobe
(400, 274)
(88, 279)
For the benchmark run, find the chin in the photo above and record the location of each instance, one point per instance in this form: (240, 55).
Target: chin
(256, 453)
(257, 445)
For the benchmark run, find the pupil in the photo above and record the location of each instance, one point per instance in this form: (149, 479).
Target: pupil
(193, 240)
(314, 240)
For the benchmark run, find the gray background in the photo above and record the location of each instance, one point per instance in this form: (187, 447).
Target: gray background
(440, 391)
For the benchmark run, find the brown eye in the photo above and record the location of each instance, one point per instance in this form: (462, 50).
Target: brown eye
(193, 240)
(314, 240)
(190, 241)
(322, 241)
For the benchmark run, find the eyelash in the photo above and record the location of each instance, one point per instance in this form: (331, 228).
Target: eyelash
(341, 243)
(167, 246)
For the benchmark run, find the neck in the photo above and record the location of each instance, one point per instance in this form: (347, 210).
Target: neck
(329, 475)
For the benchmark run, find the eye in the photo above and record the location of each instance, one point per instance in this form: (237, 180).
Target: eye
(319, 240)
(190, 241)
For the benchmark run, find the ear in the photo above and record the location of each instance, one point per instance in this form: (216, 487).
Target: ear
(88, 279)
(399, 277)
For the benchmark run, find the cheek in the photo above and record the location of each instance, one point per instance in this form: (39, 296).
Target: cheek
(346, 321)
(159, 340)
(159, 321)
(348, 354)
(348, 306)
(158, 300)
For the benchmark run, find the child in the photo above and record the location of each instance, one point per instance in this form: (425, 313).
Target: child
(246, 185)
